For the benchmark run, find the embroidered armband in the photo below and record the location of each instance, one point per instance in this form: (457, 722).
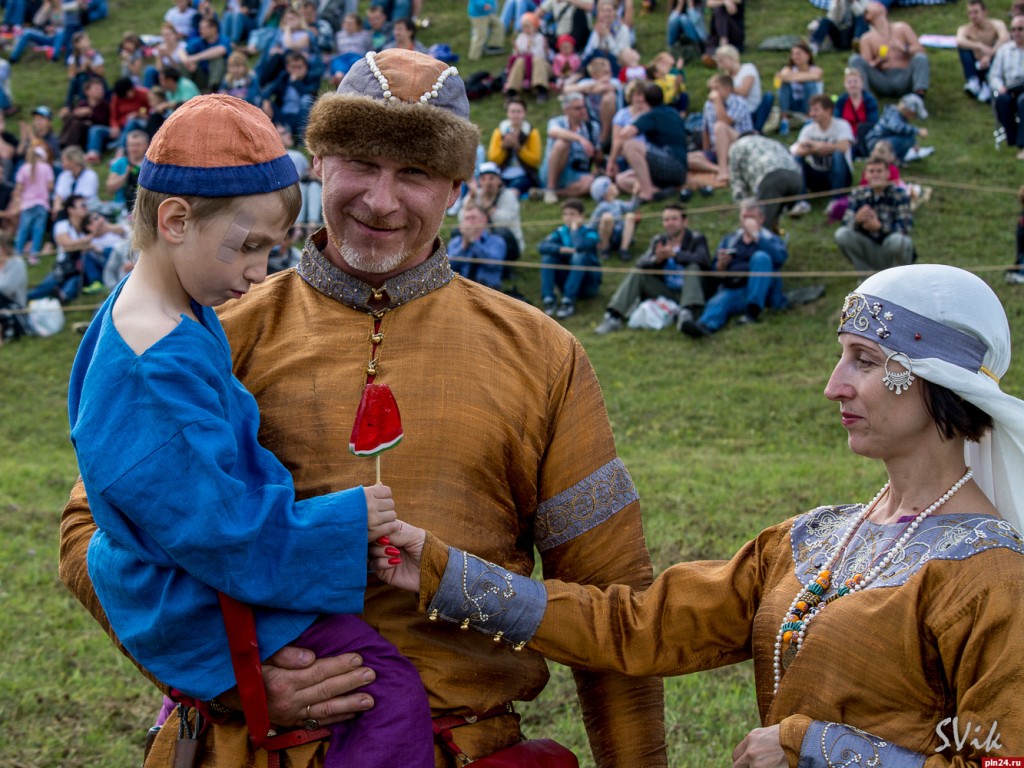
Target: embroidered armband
(835, 745)
(478, 594)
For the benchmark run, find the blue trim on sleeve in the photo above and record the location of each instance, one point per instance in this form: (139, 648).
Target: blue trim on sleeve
(493, 600)
(827, 745)
(586, 505)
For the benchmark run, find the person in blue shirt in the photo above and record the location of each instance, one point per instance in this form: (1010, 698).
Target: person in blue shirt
(473, 240)
(190, 506)
(574, 245)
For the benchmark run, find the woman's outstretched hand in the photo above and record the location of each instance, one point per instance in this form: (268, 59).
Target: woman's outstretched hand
(400, 570)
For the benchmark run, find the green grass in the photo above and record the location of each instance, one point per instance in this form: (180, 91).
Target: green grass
(722, 438)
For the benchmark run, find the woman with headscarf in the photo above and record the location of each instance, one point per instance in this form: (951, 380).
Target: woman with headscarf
(886, 633)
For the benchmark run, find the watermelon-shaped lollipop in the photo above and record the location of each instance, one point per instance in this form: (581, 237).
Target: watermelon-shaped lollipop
(378, 424)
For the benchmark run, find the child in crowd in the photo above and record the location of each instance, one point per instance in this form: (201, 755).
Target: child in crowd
(614, 219)
(528, 64)
(895, 127)
(486, 32)
(351, 43)
(670, 75)
(187, 501)
(601, 93)
(33, 187)
(566, 64)
(132, 55)
(239, 81)
(573, 244)
(630, 67)
(1016, 276)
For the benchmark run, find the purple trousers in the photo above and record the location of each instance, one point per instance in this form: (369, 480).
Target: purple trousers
(397, 731)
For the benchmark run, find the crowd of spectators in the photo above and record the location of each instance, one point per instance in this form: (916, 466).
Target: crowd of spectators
(626, 134)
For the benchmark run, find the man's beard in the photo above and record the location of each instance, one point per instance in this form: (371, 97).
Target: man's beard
(374, 262)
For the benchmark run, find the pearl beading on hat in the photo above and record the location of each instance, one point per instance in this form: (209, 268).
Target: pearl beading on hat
(385, 86)
(856, 584)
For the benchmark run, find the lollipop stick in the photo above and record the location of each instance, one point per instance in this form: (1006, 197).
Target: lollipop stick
(378, 468)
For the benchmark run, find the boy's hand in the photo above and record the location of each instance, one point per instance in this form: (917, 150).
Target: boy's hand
(381, 519)
(406, 573)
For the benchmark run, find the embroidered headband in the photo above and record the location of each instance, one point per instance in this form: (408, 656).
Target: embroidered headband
(912, 335)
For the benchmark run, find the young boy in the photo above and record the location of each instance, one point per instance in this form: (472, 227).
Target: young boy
(187, 501)
(573, 244)
(895, 127)
(614, 220)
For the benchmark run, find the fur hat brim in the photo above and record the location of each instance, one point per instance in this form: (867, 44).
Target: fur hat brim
(365, 127)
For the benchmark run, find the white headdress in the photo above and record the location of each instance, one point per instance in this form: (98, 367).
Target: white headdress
(948, 327)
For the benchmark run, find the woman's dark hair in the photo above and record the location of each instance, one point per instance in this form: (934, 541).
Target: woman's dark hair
(954, 416)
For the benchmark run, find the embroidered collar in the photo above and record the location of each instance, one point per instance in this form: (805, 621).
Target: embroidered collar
(321, 274)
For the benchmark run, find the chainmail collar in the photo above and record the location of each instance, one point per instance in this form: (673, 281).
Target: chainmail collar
(317, 270)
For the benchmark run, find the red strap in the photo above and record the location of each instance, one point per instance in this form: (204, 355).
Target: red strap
(245, 659)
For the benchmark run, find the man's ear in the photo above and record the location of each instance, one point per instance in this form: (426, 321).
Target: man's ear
(455, 194)
(171, 219)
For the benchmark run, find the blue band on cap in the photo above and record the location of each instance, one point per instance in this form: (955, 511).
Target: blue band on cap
(231, 181)
(903, 330)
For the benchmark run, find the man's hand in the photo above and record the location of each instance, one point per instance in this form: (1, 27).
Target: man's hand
(586, 146)
(723, 259)
(663, 252)
(760, 749)
(867, 219)
(301, 686)
(923, 133)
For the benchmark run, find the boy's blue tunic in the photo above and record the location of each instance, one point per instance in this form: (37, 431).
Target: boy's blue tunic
(189, 503)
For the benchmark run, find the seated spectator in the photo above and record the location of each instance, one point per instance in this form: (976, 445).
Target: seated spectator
(132, 55)
(289, 98)
(34, 185)
(891, 57)
(310, 216)
(601, 94)
(474, 240)
(47, 27)
(167, 53)
(686, 24)
(206, 56)
(824, 151)
(1006, 77)
(181, 15)
(573, 148)
(239, 81)
(569, 17)
(379, 27)
(976, 42)
(13, 295)
(77, 13)
(8, 157)
(123, 179)
(635, 106)
(875, 233)
(658, 164)
(798, 81)
(573, 244)
(40, 128)
(857, 107)
(84, 63)
(76, 180)
(842, 24)
(403, 35)
(1015, 276)
(239, 20)
(528, 65)
(172, 90)
(77, 265)
(129, 110)
(745, 78)
(675, 250)
(727, 26)
(614, 219)
(285, 254)
(669, 75)
(292, 35)
(608, 38)
(322, 29)
(515, 147)
(93, 109)
(565, 67)
(765, 170)
(751, 248)
(120, 262)
(499, 203)
(351, 43)
(630, 68)
(726, 116)
(895, 127)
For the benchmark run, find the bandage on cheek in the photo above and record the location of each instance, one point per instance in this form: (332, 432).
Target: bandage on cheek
(234, 238)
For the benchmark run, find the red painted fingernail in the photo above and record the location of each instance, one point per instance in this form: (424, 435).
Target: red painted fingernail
(392, 551)
(383, 541)
(395, 561)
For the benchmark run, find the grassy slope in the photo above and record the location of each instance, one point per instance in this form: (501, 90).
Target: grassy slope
(722, 438)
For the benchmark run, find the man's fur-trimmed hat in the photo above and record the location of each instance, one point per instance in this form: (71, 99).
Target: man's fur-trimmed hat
(398, 104)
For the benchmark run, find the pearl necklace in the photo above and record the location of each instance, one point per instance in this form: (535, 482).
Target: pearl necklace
(808, 603)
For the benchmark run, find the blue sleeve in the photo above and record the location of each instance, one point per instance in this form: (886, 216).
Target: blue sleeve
(871, 107)
(830, 744)
(549, 245)
(774, 247)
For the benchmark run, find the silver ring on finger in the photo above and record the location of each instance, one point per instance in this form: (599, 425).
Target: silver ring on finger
(310, 723)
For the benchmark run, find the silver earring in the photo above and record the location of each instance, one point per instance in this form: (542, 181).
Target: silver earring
(898, 381)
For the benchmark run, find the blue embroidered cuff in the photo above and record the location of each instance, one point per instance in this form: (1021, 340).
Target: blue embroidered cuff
(489, 598)
(586, 505)
(835, 744)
